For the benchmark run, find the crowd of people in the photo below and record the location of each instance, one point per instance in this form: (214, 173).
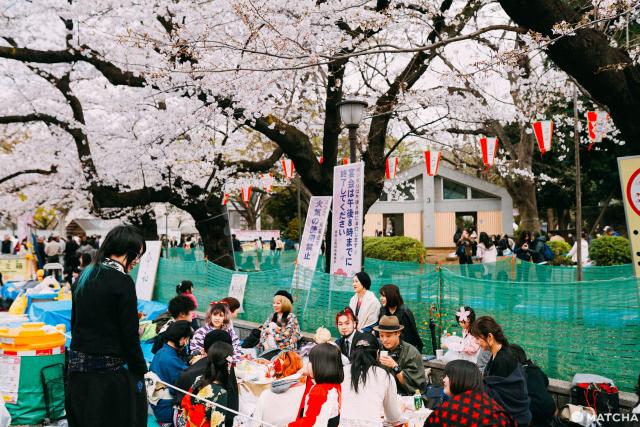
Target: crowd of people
(529, 246)
(355, 380)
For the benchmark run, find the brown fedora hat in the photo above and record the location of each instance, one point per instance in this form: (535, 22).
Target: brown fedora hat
(388, 324)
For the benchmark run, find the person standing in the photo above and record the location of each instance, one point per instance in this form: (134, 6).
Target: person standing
(71, 260)
(584, 254)
(105, 361)
(6, 245)
(364, 303)
(487, 251)
(52, 250)
(272, 245)
(393, 305)
(464, 248)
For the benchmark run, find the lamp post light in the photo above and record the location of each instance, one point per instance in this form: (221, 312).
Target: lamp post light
(351, 112)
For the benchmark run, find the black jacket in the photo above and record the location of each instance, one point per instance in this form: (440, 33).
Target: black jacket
(104, 318)
(356, 337)
(511, 393)
(542, 404)
(536, 248)
(405, 317)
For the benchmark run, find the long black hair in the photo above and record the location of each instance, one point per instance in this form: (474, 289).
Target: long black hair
(364, 356)
(484, 239)
(486, 325)
(123, 240)
(217, 369)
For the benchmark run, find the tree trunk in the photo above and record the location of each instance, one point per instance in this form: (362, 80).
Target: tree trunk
(146, 223)
(551, 220)
(212, 224)
(523, 193)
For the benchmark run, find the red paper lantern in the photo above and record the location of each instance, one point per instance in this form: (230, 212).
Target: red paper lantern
(391, 167)
(432, 161)
(543, 131)
(287, 168)
(489, 146)
(596, 126)
(246, 194)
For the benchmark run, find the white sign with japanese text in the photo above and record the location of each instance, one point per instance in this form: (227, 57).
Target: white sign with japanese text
(147, 269)
(346, 231)
(237, 288)
(311, 244)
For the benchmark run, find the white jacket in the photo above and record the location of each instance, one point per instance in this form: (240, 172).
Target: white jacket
(369, 309)
(379, 396)
(573, 253)
(487, 255)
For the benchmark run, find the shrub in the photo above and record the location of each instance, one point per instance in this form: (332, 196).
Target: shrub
(398, 248)
(610, 251)
(559, 249)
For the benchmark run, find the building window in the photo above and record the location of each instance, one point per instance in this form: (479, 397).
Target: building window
(453, 191)
(477, 194)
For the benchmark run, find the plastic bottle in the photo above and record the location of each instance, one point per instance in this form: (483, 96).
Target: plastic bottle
(417, 400)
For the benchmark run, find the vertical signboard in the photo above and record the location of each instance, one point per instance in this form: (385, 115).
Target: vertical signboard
(311, 244)
(629, 168)
(147, 269)
(346, 230)
(237, 288)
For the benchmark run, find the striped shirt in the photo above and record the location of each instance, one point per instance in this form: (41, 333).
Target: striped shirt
(197, 342)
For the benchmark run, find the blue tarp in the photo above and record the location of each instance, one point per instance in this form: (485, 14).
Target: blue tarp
(59, 312)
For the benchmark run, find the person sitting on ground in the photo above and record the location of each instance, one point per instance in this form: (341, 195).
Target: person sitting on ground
(198, 365)
(180, 308)
(234, 306)
(393, 305)
(468, 400)
(503, 376)
(281, 330)
(368, 385)
(167, 365)
(364, 303)
(542, 406)
(469, 348)
(402, 359)
(217, 317)
(321, 402)
(213, 385)
(347, 323)
(279, 405)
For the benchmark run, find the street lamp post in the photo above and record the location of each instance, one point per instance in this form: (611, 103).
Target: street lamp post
(351, 112)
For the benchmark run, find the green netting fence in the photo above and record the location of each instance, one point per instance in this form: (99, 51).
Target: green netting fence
(565, 326)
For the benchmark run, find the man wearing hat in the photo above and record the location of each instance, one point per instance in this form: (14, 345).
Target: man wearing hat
(402, 359)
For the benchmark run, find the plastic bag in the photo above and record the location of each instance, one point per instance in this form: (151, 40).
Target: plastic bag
(5, 417)
(19, 305)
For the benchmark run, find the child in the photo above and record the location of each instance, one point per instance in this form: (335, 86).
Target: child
(321, 401)
(185, 288)
(468, 348)
(218, 317)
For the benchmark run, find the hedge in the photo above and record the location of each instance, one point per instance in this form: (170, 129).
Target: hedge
(609, 250)
(397, 248)
(559, 249)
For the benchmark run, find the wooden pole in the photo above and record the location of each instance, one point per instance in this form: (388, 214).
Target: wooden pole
(576, 137)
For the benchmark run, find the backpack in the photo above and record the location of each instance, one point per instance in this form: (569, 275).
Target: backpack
(601, 396)
(547, 253)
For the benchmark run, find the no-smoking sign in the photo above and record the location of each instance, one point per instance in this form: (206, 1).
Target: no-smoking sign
(629, 168)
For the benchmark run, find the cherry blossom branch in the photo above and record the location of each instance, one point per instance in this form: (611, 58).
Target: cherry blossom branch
(9, 177)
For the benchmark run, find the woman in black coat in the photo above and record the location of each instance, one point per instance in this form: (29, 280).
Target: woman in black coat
(393, 305)
(106, 366)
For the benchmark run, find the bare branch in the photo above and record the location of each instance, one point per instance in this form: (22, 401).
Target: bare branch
(9, 177)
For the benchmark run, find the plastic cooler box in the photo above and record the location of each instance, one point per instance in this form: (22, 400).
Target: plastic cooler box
(32, 366)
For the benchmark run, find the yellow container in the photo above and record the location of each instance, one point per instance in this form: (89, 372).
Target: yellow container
(31, 336)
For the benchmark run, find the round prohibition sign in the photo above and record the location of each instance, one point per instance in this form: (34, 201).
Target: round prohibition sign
(633, 192)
